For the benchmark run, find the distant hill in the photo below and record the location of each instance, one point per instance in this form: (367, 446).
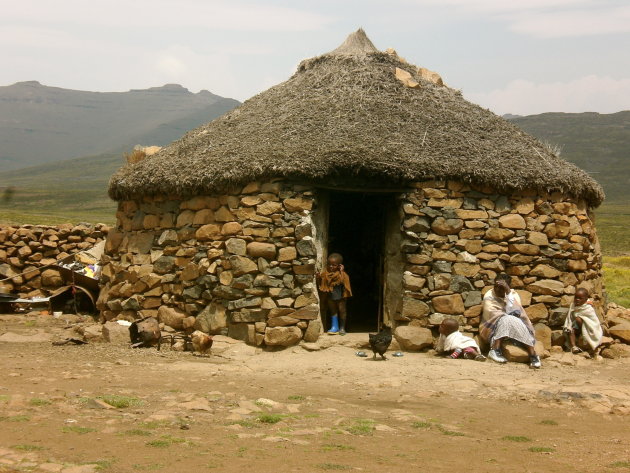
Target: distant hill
(40, 124)
(598, 143)
(76, 189)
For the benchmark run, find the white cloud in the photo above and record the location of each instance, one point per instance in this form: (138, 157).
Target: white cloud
(574, 23)
(586, 94)
(223, 15)
(545, 18)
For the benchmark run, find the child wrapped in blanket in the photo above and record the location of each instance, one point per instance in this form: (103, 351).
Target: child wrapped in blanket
(582, 320)
(455, 343)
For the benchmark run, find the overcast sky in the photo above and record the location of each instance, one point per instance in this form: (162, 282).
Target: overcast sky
(512, 56)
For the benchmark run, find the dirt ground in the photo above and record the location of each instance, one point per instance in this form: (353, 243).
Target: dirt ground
(104, 407)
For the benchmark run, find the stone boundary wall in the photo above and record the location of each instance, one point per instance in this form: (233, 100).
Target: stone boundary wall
(240, 264)
(26, 250)
(457, 239)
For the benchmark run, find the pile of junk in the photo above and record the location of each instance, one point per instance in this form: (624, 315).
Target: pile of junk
(80, 273)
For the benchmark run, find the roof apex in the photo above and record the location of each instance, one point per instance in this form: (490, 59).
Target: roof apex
(356, 44)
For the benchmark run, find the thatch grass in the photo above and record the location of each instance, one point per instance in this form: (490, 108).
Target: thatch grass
(345, 115)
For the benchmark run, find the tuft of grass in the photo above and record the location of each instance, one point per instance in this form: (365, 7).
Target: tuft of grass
(451, 433)
(362, 427)
(620, 464)
(120, 402)
(541, 449)
(36, 401)
(516, 438)
(4, 397)
(77, 430)
(332, 466)
(165, 441)
(25, 447)
(101, 464)
(18, 418)
(148, 467)
(248, 424)
(616, 276)
(548, 422)
(269, 418)
(136, 432)
(329, 447)
(296, 397)
(421, 425)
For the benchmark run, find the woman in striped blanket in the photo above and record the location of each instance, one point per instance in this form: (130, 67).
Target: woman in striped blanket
(503, 318)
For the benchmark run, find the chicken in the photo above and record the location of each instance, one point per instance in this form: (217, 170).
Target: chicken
(202, 342)
(380, 342)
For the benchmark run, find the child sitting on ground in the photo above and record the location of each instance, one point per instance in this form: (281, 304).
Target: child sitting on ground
(454, 343)
(582, 320)
(334, 283)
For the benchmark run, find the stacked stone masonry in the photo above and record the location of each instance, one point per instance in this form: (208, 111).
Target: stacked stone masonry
(244, 263)
(457, 239)
(26, 253)
(241, 264)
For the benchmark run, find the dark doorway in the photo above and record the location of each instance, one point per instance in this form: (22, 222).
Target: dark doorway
(356, 229)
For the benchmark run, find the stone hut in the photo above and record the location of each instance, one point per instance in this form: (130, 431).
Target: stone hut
(426, 195)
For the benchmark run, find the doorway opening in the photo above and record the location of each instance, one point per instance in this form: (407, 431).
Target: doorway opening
(356, 230)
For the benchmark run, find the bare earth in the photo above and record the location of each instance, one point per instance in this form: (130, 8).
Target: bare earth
(246, 409)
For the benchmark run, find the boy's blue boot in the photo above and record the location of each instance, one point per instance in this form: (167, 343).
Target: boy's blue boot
(334, 327)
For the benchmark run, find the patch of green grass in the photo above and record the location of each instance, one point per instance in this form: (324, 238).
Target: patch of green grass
(330, 447)
(421, 425)
(18, 418)
(616, 276)
(148, 467)
(516, 438)
(4, 397)
(612, 221)
(77, 429)
(311, 416)
(362, 427)
(241, 452)
(136, 433)
(25, 447)
(165, 441)
(548, 422)
(620, 464)
(36, 401)
(332, 466)
(248, 424)
(451, 433)
(269, 418)
(541, 449)
(296, 397)
(120, 402)
(30, 323)
(103, 464)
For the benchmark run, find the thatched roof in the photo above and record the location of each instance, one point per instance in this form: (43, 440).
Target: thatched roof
(344, 115)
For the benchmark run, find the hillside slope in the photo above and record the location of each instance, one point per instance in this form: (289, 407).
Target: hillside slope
(40, 124)
(598, 143)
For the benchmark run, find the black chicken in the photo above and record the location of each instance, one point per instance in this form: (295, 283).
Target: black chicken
(381, 341)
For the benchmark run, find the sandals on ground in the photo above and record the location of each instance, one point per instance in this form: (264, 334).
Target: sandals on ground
(576, 350)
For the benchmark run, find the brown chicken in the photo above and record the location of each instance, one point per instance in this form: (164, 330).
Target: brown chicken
(202, 342)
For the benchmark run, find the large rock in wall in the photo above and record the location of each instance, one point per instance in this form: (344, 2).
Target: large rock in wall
(458, 238)
(241, 264)
(26, 252)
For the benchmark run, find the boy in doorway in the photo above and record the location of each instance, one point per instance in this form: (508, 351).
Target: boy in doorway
(334, 282)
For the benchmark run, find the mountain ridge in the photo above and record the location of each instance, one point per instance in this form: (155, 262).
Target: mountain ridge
(42, 124)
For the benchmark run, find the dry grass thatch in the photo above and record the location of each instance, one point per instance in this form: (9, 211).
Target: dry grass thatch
(344, 115)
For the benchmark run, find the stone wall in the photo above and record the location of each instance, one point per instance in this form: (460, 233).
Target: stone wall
(241, 264)
(457, 239)
(244, 263)
(27, 250)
